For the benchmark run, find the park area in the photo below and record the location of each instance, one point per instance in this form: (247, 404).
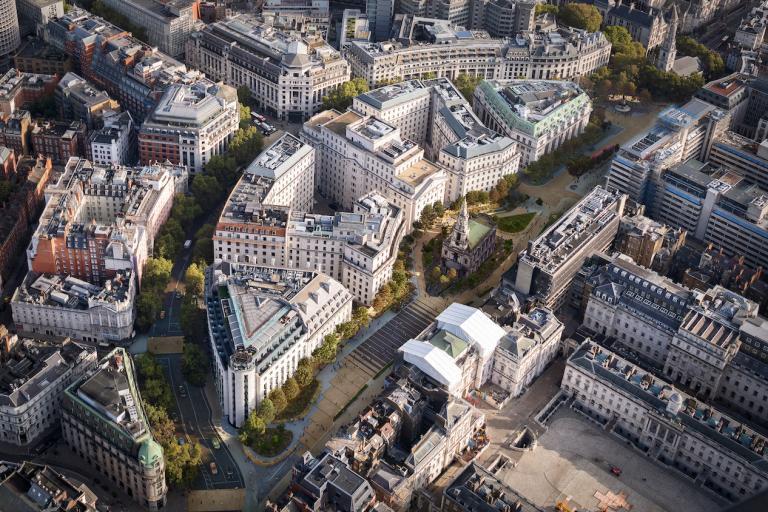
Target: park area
(573, 460)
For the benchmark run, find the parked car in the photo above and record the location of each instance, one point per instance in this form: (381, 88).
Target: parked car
(216, 444)
(214, 469)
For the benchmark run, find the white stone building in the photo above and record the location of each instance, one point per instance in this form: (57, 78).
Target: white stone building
(425, 45)
(262, 321)
(34, 376)
(190, 124)
(114, 143)
(720, 452)
(524, 352)
(103, 421)
(58, 305)
(288, 75)
(168, 23)
(357, 154)
(540, 115)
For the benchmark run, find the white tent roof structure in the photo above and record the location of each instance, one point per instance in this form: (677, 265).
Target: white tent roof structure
(471, 325)
(433, 361)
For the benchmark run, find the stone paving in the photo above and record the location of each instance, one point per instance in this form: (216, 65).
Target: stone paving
(573, 459)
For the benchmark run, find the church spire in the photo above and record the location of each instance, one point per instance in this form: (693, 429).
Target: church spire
(461, 229)
(668, 49)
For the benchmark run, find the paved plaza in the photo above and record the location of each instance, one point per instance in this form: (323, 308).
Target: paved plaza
(573, 459)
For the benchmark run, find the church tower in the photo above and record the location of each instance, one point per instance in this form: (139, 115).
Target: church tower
(668, 49)
(460, 234)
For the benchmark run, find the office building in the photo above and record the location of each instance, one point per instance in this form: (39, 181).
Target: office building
(423, 46)
(303, 16)
(650, 244)
(47, 305)
(673, 428)
(354, 26)
(102, 220)
(35, 56)
(113, 144)
(18, 90)
(526, 350)
(189, 125)
(746, 157)
(548, 265)
(35, 14)
(133, 73)
(539, 115)
(33, 377)
(29, 487)
(78, 100)
(103, 422)
(471, 242)
(288, 75)
(678, 135)
(167, 24)
(282, 316)
(357, 154)
(380, 14)
(10, 37)
(508, 18)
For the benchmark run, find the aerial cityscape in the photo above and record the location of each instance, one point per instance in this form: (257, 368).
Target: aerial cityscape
(383, 255)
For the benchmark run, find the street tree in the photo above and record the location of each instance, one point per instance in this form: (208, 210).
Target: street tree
(291, 389)
(583, 16)
(278, 399)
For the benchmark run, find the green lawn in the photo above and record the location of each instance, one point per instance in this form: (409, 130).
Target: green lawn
(515, 223)
(300, 405)
(272, 442)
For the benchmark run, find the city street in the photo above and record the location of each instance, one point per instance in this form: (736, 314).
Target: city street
(194, 422)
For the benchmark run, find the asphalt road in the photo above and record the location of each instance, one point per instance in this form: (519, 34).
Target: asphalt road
(194, 423)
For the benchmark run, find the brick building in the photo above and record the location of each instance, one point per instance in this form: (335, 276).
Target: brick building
(59, 140)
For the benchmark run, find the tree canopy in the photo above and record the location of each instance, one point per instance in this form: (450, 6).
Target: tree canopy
(340, 98)
(467, 84)
(582, 16)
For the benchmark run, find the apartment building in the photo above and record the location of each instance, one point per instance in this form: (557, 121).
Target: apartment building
(19, 89)
(78, 100)
(114, 143)
(15, 130)
(432, 46)
(101, 220)
(190, 124)
(678, 135)
(20, 211)
(328, 481)
(27, 483)
(103, 422)
(751, 31)
(672, 428)
(357, 154)
(282, 316)
(526, 350)
(168, 24)
(133, 73)
(540, 115)
(548, 265)
(48, 305)
(59, 140)
(33, 377)
(288, 75)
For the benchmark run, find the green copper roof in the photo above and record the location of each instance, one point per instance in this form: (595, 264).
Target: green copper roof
(149, 452)
(450, 344)
(477, 231)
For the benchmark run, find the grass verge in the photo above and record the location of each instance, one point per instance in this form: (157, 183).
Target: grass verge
(514, 223)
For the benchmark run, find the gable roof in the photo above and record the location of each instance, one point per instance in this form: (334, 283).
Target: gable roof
(433, 361)
(471, 325)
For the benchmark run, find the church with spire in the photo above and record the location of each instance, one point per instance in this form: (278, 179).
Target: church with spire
(471, 242)
(668, 49)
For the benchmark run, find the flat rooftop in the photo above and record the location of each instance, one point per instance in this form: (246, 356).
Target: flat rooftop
(418, 172)
(277, 158)
(394, 94)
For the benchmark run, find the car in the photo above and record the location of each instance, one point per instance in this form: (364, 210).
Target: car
(188, 244)
(214, 469)
(162, 315)
(216, 444)
(182, 442)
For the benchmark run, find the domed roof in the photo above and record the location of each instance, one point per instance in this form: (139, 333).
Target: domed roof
(149, 452)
